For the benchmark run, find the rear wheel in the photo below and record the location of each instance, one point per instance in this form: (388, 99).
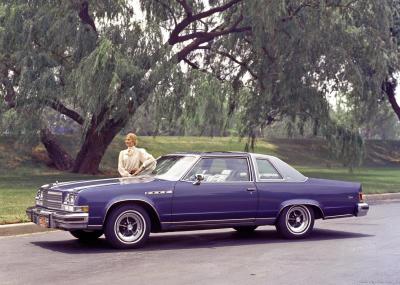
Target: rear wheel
(86, 236)
(127, 226)
(245, 229)
(295, 222)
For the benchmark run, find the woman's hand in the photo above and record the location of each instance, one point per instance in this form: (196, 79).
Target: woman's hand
(138, 170)
(133, 171)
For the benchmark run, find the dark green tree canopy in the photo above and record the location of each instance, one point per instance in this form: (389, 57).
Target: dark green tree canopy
(97, 62)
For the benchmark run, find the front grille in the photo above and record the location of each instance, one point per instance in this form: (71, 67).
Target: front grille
(52, 199)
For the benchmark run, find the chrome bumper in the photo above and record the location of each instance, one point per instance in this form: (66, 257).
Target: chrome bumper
(362, 209)
(57, 219)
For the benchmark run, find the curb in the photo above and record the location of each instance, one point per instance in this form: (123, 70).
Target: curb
(28, 228)
(387, 197)
(22, 228)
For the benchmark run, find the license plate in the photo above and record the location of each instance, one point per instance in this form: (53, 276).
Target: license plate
(43, 221)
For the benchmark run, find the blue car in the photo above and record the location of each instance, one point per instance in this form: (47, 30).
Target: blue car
(192, 191)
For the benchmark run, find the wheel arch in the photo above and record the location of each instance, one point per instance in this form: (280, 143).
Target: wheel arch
(148, 207)
(318, 213)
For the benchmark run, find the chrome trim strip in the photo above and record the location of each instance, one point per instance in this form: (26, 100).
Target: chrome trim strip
(338, 216)
(95, 227)
(53, 201)
(81, 181)
(93, 186)
(50, 192)
(131, 200)
(306, 204)
(212, 221)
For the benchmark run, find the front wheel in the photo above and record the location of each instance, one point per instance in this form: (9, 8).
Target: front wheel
(295, 222)
(127, 226)
(86, 236)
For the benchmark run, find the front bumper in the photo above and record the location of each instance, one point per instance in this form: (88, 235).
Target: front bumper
(362, 209)
(58, 219)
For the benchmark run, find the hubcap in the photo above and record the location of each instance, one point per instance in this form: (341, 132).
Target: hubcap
(129, 227)
(298, 219)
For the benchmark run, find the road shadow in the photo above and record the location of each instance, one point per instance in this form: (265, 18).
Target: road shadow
(196, 239)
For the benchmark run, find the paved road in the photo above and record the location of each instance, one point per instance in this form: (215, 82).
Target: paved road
(362, 250)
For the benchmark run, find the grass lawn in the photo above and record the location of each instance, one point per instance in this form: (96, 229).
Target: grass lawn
(374, 180)
(17, 192)
(22, 174)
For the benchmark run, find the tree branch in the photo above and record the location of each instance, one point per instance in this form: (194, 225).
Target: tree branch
(232, 58)
(210, 36)
(195, 66)
(186, 7)
(174, 37)
(59, 107)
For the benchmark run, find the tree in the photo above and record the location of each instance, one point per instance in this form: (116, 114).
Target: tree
(96, 62)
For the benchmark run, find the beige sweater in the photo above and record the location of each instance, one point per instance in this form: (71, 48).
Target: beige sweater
(134, 157)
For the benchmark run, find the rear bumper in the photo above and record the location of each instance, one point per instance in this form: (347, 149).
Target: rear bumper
(362, 209)
(57, 219)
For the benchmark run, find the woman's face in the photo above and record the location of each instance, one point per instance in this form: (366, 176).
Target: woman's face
(129, 142)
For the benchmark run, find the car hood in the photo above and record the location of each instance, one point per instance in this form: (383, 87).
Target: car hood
(77, 186)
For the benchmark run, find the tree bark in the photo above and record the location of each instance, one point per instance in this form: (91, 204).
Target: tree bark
(97, 140)
(59, 156)
(389, 86)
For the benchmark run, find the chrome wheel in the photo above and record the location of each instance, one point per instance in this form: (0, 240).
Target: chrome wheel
(130, 227)
(298, 219)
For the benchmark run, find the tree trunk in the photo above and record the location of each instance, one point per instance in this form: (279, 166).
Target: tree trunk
(60, 157)
(390, 87)
(95, 145)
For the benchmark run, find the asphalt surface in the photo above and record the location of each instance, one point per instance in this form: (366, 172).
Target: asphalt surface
(363, 250)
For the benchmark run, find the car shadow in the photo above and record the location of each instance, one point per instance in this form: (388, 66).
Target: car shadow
(195, 239)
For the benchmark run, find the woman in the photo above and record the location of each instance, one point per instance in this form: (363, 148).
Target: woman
(133, 160)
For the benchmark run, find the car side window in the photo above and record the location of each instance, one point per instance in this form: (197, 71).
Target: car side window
(219, 170)
(266, 170)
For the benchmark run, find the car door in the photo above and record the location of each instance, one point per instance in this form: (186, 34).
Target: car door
(227, 192)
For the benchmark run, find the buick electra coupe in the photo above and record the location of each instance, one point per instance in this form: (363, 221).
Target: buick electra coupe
(192, 191)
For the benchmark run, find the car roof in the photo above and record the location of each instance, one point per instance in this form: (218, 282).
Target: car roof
(212, 153)
(222, 153)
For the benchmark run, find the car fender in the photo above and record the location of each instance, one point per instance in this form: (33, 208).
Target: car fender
(309, 202)
(129, 198)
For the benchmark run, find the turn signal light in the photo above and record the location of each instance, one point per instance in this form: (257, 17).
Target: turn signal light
(360, 197)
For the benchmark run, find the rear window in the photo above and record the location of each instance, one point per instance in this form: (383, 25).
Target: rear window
(266, 170)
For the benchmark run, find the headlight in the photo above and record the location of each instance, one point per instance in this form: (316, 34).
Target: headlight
(39, 194)
(69, 204)
(39, 197)
(70, 199)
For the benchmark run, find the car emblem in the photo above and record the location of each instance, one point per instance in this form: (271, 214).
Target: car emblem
(158, 192)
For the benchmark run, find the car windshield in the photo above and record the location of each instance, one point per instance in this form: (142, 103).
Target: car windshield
(173, 167)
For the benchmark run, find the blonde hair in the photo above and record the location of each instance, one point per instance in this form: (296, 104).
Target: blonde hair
(133, 137)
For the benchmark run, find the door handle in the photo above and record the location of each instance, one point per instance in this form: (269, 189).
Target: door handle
(251, 189)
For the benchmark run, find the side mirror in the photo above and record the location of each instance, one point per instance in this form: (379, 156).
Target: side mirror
(199, 178)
